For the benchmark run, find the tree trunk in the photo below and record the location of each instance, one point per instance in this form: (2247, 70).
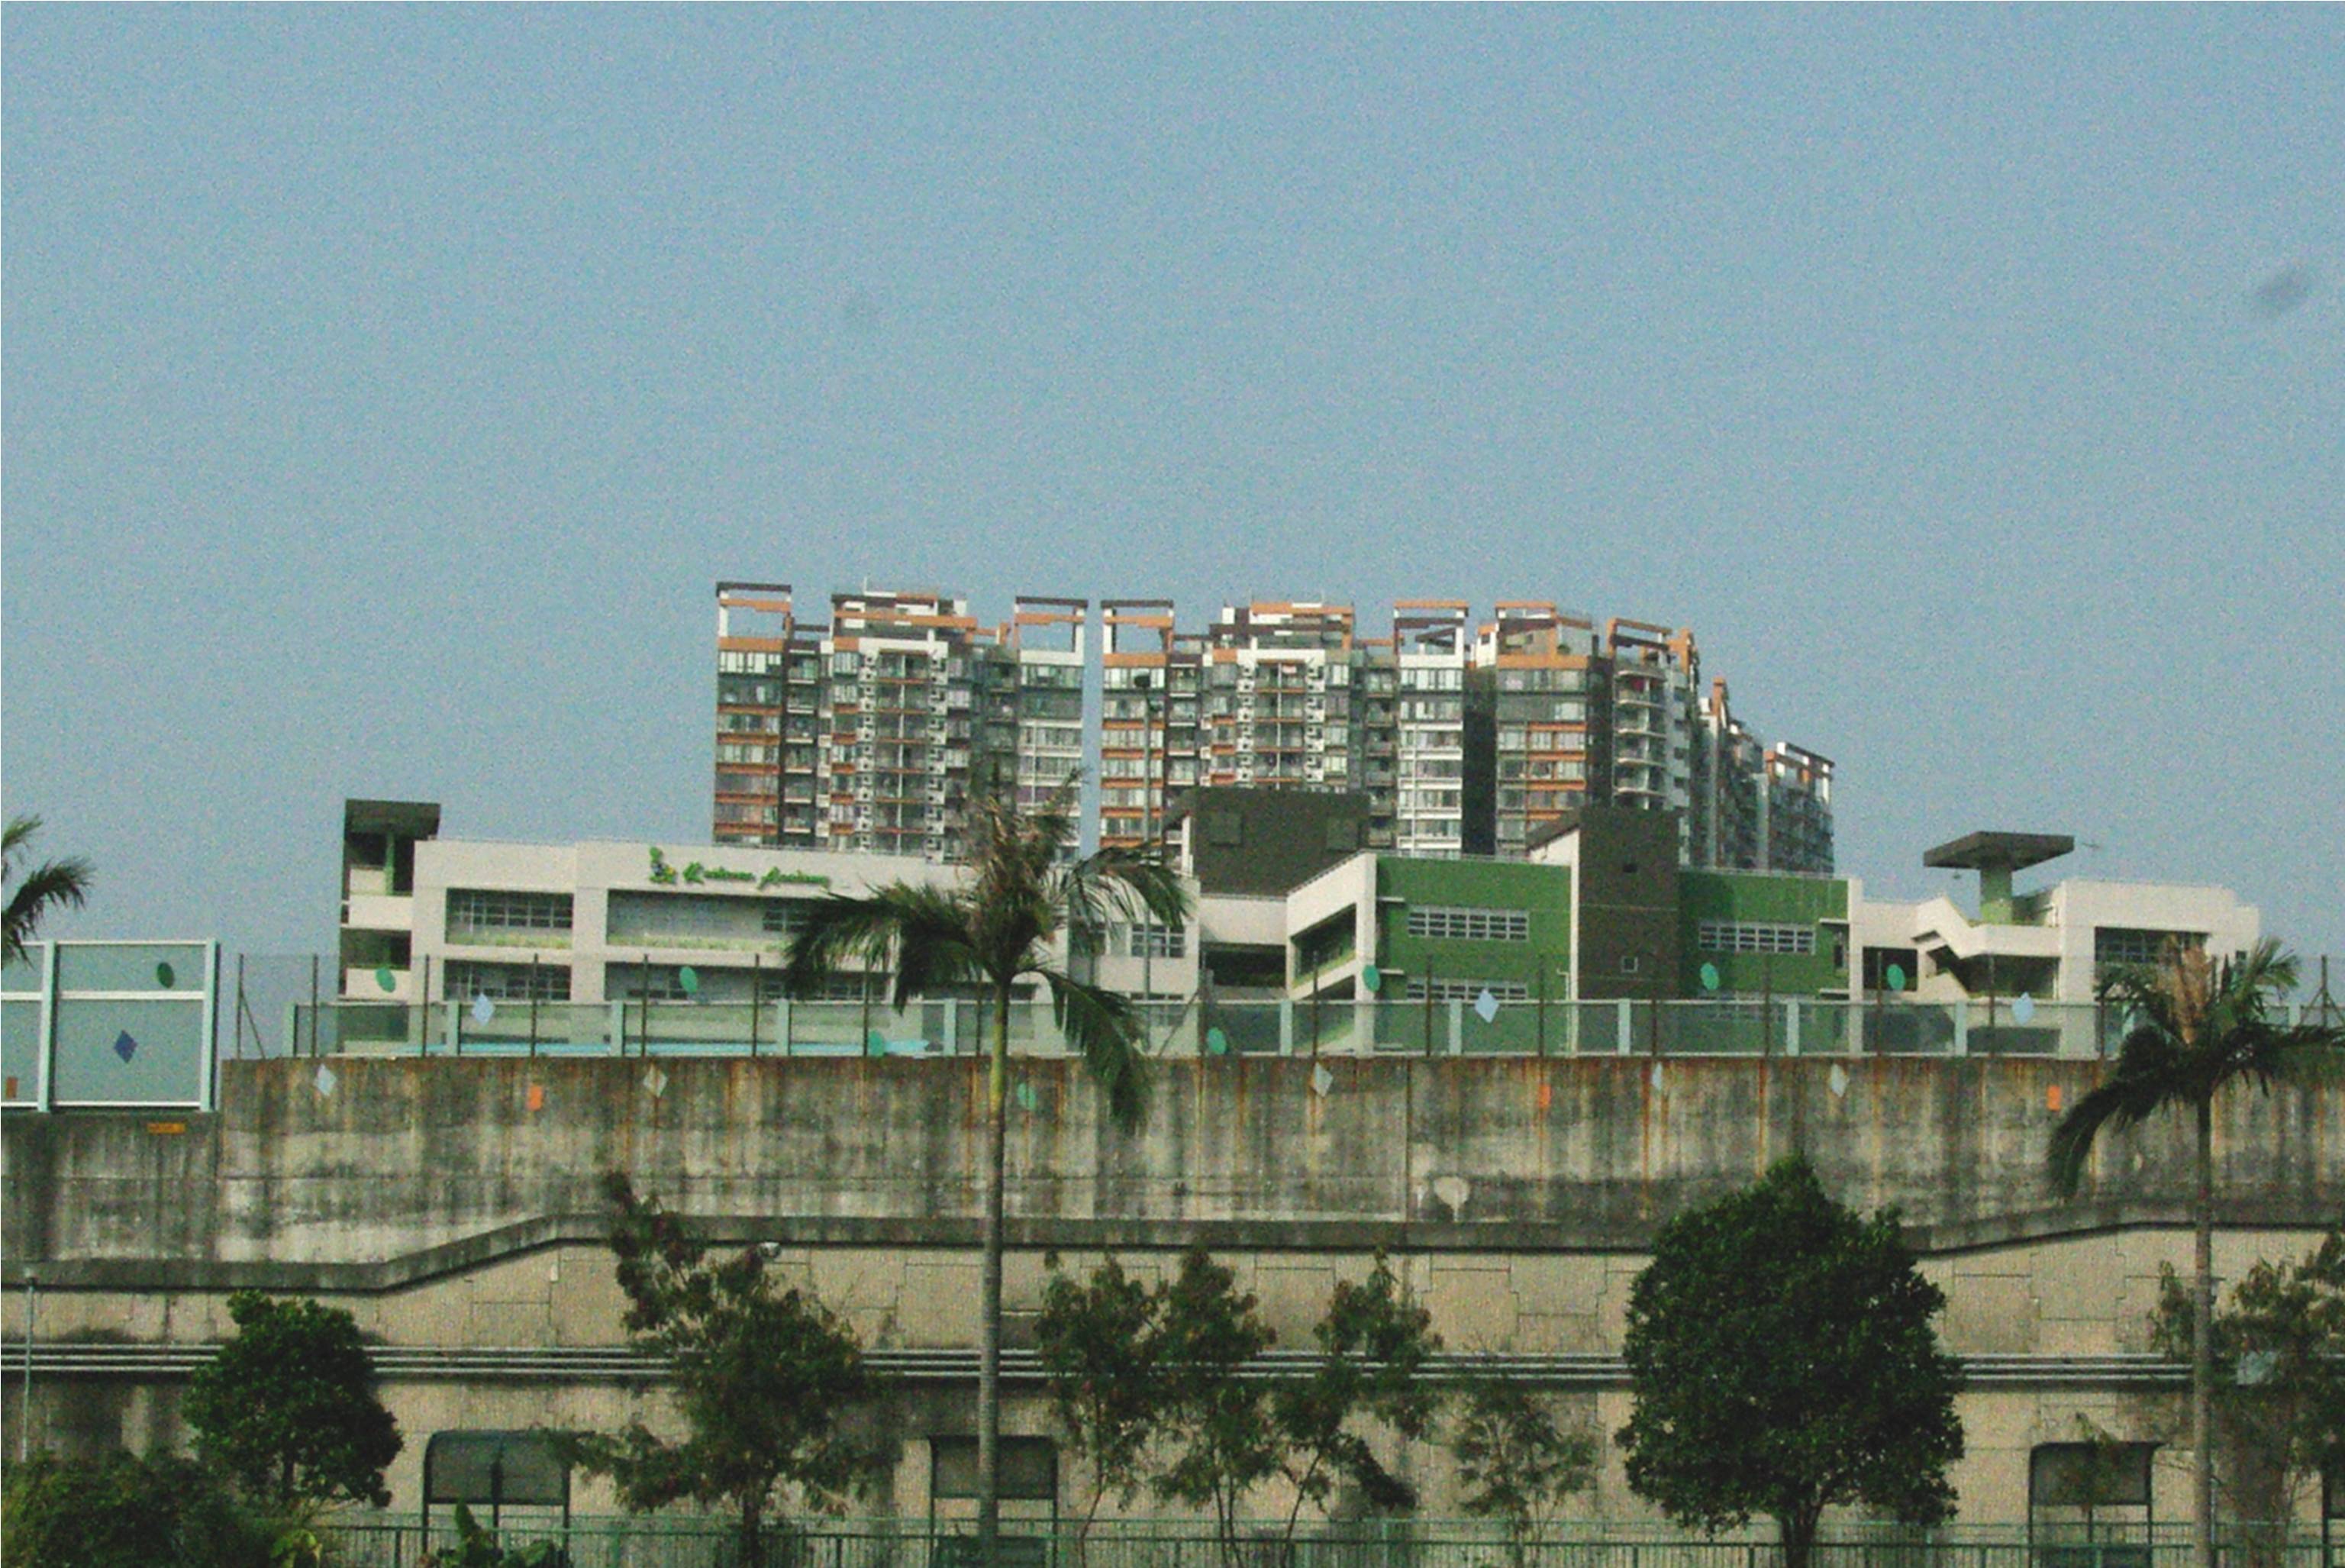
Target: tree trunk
(1798, 1533)
(988, 1340)
(2202, 1344)
(752, 1556)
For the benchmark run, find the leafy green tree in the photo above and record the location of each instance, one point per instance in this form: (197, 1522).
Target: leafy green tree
(1782, 1359)
(2196, 1026)
(118, 1510)
(1226, 1443)
(1516, 1464)
(2279, 1401)
(1021, 895)
(765, 1380)
(1373, 1343)
(287, 1407)
(46, 887)
(1100, 1344)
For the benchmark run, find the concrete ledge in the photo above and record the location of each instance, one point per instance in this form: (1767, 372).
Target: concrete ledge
(407, 1363)
(434, 1263)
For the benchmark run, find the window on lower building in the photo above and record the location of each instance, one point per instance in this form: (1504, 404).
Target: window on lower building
(484, 908)
(508, 982)
(1155, 942)
(2088, 1503)
(2114, 945)
(1469, 991)
(1879, 960)
(1754, 936)
(1027, 1466)
(639, 982)
(1469, 924)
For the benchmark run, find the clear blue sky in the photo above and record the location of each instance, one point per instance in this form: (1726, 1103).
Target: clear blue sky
(386, 387)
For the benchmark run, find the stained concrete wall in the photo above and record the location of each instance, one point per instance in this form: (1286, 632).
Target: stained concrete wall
(447, 1206)
(409, 1167)
(2077, 1295)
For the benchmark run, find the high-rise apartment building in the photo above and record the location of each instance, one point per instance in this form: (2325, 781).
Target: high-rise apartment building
(1151, 691)
(1770, 808)
(1287, 695)
(869, 732)
(1425, 736)
(1537, 731)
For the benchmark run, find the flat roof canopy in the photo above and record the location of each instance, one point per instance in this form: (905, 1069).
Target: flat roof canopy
(410, 819)
(1998, 852)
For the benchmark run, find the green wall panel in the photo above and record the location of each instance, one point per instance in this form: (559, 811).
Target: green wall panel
(1543, 892)
(1819, 903)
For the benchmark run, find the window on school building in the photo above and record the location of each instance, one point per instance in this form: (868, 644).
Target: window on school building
(2114, 945)
(1155, 942)
(1754, 936)
(482, 909)
(509, 982)
(641, 981)
(1469, 924)
(1470, 991)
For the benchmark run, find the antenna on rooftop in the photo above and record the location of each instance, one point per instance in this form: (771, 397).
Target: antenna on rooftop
(2320, 1007)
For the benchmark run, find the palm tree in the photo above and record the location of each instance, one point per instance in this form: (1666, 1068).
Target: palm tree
(44, 888)
(2195, 1025)
(1022, 893)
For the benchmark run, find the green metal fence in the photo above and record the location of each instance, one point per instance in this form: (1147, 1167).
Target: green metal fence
(656, 1540)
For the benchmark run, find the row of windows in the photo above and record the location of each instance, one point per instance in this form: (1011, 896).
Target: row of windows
(1516, 737)
(1542, 680)
(509, 982)
(482, 909)
(2123, 944)
(1469, 924)
(1470, 991)
(1753, 936)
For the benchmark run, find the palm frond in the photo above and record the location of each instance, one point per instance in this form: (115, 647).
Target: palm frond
(1105, 1028)
(2196, 1025)
(850, 935)
(1012, 854)
(2120, 1102)
(54, 885)
(932, 947)
(1114, 885)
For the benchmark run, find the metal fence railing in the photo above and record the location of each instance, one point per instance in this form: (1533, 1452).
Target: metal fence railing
(1201, 1026)
(659, 1541)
